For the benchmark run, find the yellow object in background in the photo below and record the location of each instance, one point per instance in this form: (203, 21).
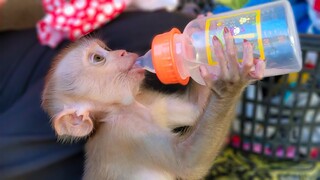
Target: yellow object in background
(234, 4)
(293, 78)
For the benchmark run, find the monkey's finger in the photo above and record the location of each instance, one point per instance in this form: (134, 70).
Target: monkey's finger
(231, 53)
(204, 71)
(207, 76)
(247, 62)
(260, 67)
(209, 13)
(219, 55)
(204, 15)
(200, 16)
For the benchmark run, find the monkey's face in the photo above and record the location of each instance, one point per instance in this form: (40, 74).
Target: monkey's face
(93, 71)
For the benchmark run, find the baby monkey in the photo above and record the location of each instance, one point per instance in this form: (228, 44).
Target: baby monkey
(97, 93)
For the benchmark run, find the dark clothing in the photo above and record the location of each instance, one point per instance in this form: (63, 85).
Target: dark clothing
(28, 145)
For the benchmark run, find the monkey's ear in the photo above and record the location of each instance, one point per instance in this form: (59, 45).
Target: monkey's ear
(73, 123)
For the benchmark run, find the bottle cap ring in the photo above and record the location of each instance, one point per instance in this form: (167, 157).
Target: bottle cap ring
(163, 60)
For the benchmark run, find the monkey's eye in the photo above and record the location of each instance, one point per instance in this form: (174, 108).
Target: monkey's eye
(97, 59)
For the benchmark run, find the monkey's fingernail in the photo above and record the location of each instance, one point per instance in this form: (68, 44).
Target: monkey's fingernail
(226, 30)
(215, 38)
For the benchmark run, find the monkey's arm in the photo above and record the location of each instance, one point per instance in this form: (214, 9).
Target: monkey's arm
(203, 143)
(197, 150)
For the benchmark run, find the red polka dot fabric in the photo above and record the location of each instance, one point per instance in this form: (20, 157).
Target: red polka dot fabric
(316, 5)
(75, 18)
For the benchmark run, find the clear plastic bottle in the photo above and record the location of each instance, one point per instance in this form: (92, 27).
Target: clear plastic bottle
(270, 27)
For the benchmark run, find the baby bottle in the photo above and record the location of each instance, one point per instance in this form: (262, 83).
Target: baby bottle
(176, 56)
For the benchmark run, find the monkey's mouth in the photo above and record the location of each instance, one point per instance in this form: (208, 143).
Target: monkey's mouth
(136, 68)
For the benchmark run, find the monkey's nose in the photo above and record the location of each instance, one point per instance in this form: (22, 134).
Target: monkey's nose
(123, 53)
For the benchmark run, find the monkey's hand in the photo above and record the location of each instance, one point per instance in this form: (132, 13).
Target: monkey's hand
(201, 145)
(234, 76)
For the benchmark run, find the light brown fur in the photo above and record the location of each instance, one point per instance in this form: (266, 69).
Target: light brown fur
(133, 136)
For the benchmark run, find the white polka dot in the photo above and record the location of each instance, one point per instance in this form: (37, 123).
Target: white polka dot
(77, 22)
(101, 18)
(58, 26)
(91, 11)
(61, 20)
(94, 4)
(76, 33)
(42, 34)
(118, 5)
(96, 25)
(49, 7)
(108, 9)
(68, 10)
(57, 3)
(86, 27)
(70, 21)
(48, 18)
(80, 4)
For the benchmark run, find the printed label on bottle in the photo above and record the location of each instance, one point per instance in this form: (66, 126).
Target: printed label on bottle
(246, 25)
